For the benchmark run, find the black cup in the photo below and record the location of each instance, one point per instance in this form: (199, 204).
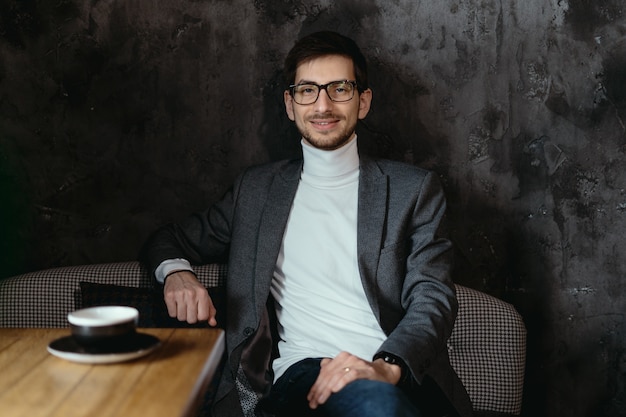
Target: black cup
(104, 327)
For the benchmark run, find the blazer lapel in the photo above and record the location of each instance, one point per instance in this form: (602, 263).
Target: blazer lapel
(272, 227)
(372, 212)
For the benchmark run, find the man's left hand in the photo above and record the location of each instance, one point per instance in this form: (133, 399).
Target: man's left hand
(338, 372)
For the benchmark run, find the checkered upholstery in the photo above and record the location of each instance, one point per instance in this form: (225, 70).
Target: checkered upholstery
(44, 298)
(487, 347)
(488, 351)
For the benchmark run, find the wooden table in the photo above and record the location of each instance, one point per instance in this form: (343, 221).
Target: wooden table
(168, 382)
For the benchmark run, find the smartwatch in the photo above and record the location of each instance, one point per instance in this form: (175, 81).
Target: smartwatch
(394, 360)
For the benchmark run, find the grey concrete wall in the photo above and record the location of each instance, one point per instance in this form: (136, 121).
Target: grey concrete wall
(119, 115)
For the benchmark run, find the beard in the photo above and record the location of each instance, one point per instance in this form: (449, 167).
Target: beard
(327, 141)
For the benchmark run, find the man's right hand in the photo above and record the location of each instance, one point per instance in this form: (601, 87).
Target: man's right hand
(187, 299)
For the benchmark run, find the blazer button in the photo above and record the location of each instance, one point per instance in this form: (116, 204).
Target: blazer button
(248, 331)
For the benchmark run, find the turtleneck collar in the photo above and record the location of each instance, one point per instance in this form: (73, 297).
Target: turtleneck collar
(336, 163)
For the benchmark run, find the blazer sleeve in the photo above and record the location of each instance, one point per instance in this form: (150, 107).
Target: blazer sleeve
(203, 237)
(418, 333)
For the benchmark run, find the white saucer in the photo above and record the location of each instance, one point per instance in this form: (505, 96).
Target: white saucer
(67, 348)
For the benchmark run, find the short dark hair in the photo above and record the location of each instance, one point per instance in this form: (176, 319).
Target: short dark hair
(323, 43)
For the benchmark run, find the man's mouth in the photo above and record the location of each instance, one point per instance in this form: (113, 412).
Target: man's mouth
(325, 122)
(324, 126)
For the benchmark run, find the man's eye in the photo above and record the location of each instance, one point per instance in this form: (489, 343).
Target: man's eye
(306, 89)
(341, 88)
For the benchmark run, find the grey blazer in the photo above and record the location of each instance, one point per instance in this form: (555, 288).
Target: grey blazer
(404, 261)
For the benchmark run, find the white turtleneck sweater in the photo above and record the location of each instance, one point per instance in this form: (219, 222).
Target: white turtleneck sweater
(320, 301)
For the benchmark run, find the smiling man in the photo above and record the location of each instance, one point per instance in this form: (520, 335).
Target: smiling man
(328, 122)
(339, 294)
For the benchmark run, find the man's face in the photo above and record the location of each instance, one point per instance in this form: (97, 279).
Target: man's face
(326, 124)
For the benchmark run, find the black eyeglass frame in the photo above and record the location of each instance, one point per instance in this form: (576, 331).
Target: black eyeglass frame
(321, 87)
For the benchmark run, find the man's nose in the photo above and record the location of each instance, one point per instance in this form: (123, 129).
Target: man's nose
(323, 100)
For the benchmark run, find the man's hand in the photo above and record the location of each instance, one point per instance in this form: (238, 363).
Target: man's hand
(187, 299)
(344, 368)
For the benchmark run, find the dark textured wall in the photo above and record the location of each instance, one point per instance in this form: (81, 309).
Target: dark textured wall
(117, 116)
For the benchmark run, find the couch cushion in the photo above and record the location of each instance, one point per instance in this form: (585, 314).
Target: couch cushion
(93, 294)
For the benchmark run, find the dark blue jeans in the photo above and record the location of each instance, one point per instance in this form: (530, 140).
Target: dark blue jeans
(361, 398)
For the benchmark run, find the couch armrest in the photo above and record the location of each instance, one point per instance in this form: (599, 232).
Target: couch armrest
(488, 351)
(44, 298)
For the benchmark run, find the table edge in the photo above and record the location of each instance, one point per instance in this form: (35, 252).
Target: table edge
(205, 376)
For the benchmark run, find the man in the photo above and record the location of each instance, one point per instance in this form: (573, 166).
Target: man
(339, 294)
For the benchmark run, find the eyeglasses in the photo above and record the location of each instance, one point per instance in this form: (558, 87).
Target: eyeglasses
(308, 93)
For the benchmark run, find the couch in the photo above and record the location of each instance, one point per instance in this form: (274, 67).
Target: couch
(487, 347)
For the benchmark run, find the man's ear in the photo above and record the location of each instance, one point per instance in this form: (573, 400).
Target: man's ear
(365, 102)
(289, 105)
